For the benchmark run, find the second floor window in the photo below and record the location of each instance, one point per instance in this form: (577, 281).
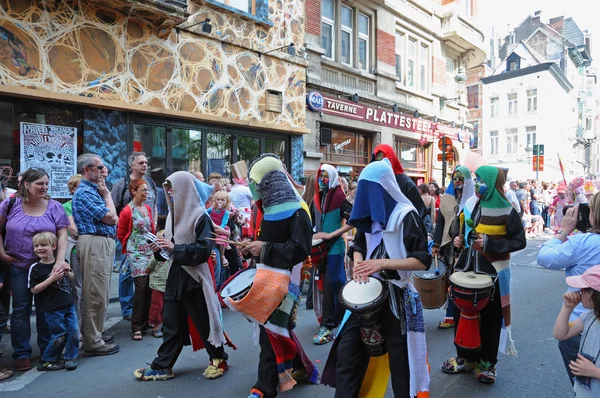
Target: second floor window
(512, 104)
(400, 56)
(473, 96)
(532, 100)
(347, 24)
(411, 59)
(423, 72)
(328, 27)
(512, 141)
(531, 136)
(248, 6)
(494, 106)
(493, 142)
(363, 42)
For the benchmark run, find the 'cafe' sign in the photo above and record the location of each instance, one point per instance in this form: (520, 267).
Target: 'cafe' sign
(351, 110)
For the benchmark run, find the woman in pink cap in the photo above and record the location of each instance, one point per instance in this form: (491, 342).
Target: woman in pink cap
(586, 367)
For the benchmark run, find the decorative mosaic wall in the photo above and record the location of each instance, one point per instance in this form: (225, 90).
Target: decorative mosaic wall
(297, 157)
(105, 134)
(84, 49)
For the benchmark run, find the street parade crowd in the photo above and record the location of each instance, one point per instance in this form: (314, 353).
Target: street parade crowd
(371, 253)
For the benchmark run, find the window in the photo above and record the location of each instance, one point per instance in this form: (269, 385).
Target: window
(423, 74)
(513, 65)
(411, 55)
(512, 104)
(328, 27)
(473, 96)
(347, 46)
(512, 140)
(588, 124)
(363, 42)
(248, 6)
(475, 134)
(532, 100)
(531, 136)
(399, 56)
(450, 82)
(493, 142)
(494, 106)
(347, 147)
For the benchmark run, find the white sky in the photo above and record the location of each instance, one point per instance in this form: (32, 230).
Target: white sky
(500, 14)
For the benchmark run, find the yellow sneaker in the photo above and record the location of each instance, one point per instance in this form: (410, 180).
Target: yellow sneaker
(216, 369)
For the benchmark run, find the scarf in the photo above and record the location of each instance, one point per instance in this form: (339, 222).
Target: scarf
(389, 154)
(185, 209)
(495, 211)
(334, 196)
(468, 188)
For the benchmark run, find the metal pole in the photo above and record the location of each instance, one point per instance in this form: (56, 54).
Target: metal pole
(443, 161)
(537, 167)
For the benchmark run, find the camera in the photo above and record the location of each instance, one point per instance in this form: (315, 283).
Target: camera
(583, 216)
(584, 380)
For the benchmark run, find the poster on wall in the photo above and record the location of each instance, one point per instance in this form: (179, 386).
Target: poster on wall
(52, 148)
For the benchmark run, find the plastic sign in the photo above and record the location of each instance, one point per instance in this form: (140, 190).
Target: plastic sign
(315, 101)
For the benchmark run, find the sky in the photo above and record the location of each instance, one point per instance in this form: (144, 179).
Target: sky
(501, 14)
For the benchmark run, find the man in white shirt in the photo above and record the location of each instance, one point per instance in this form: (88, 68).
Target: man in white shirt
(512, 196)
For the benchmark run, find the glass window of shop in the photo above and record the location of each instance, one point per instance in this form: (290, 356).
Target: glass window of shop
(411, 155)
(12, 114)
(348, 148)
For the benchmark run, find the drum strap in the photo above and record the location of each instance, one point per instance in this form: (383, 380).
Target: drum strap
(396, 298)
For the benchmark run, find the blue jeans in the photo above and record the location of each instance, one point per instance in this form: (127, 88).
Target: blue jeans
(125, 288)
(64, 327)
(568, 351)
(20, 326)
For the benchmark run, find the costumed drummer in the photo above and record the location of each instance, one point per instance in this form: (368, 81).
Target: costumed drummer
(395, 246)
(283, 242)
(494, 230)
(331, 208)
(448, 225)
(189, 290)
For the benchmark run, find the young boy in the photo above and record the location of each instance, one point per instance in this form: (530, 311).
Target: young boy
(54, 294)
(586, 368)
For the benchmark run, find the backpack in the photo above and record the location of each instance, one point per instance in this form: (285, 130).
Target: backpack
(126, 181)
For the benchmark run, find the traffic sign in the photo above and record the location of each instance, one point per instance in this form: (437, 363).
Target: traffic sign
(448, 143)
(449, 156)
(540, 164)
(538, 149)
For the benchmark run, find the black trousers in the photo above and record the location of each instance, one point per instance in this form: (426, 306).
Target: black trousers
(332, 315)
(175, 329)
(353, 360)
(490, 327)
(141, 303)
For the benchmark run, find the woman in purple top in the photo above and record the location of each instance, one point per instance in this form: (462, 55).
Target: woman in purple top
(32, 212)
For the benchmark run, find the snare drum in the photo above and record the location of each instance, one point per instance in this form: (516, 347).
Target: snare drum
(432, 285)
(365, 300)
(471, 293)
(238, 285)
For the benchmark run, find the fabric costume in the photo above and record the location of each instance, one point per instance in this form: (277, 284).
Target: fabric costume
(272, 301)
(497, 220)
(330, 208)
(559, 204)
(392, 229)
(189, 298)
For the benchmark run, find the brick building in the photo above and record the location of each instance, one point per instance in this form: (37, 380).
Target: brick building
(394, 74)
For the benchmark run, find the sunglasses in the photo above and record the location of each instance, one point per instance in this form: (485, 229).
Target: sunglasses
(458, 178)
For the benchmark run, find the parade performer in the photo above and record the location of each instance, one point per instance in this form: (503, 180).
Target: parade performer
(497, 232)
(393, 246)
(189, 289)
(331, 207)
(558, 204)
(283, 242)
(575, 190)
(448, 225)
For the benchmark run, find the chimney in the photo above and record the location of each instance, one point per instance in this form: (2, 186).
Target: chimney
(537, 16)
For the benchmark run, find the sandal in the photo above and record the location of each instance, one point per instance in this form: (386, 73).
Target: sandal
(446, 323)
(457, 365)
(485, 372)
(5, 374)
(137, 336)
(157, 333)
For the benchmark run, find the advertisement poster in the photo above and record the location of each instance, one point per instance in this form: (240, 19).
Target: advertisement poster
(52, 148)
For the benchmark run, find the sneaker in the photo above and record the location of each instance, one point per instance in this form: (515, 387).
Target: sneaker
(254, 393)
(216, 368)
(108, 338)
(485, 372)
(446, 323)
(23, 364)
(71, 364)
(50, 366)
(146, 374)
(106, 349)
(323, 337)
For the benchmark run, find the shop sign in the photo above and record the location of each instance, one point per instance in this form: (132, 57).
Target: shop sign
(53, 149)
(352, 110)
(314, 101)
(342, 144)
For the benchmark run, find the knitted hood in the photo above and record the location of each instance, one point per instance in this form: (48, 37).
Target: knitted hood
(468, 187)
(185, 207)
(335, 195)
(389, 154)
(494, 197)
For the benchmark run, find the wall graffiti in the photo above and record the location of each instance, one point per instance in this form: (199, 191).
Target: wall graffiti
(85, 49)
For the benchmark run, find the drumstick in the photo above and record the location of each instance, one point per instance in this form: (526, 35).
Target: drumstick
(437, 267)
(231, 242)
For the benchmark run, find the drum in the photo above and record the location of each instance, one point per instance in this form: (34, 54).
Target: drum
(317, 252)
(432, 285)
(471, 293)
(365, 300)
(238, 285)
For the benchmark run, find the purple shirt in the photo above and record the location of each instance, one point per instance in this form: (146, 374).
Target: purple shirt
(21, 228)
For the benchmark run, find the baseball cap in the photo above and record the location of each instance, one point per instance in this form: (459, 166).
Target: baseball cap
(590, 278)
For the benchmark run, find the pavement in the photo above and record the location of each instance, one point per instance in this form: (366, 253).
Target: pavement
(537, 371)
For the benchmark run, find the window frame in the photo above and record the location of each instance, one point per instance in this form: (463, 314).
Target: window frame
(331, 22)
(512, 140)
(423, 67)
(350, 31)
(494, 106)
(532, 101)
(473, 103)
(414, 59)
(494, 142)
(531, 136)
(366, 37)
(400, 52)
(513, 104)
(251, 11)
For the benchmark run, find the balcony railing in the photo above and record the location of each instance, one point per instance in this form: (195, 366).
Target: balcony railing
(348, 81)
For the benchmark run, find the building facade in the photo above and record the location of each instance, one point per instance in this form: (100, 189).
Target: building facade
(194, 84)
(390, 73)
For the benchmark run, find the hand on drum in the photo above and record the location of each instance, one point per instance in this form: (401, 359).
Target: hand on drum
(322, 235)
(571, 299)
(363, 269)
(253, 248)
(435, 251)
(478, 244)
(459, 241)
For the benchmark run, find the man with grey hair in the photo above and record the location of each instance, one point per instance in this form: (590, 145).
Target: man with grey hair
(121, 196)
(95, 217)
